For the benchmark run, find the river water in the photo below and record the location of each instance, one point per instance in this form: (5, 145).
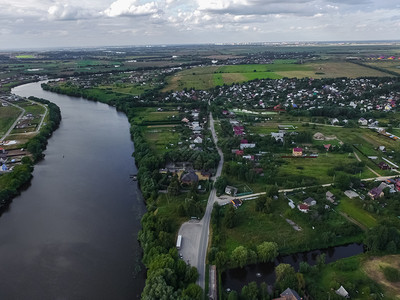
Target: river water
(73, 233)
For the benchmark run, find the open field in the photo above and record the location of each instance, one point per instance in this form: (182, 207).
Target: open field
(211, 76)
(373, 268)
(317, 167)
(162, 138)
(253, 228)
(390, 65)
(150, 114)
(350, 273)
(8, 115)
(129, 89)
(25, 56)
(333, 69)
(352, 207)
(33, 108)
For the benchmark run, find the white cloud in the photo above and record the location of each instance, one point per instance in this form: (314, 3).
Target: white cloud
(67, 12)
(131, 8)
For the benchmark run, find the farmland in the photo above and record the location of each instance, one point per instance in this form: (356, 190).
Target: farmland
(389, 65)
(211, 76)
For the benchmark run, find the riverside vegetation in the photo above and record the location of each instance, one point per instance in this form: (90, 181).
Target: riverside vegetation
(11, 183)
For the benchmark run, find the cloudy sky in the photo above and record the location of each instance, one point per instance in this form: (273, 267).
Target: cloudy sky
(53, 23)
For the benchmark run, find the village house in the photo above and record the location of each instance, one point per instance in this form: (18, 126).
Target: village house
(377, 192)
(297, 152)
(310, 201)
(278, 136)
(198, 140)
(231, 190)
(303, 207)
(239, 152)
(342, 292)
(383, 166)
(244, 144)
(362, 122)
(203, 175)
(249, 157)
(330, 197)
(288, 294)
(190, 177)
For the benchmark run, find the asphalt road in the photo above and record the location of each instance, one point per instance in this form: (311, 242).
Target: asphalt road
(194, 233)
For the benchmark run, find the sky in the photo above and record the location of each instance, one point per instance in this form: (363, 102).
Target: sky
(80, 23)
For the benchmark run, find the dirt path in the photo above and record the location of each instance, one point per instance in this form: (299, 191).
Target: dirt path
(373, 268)
(358, 158)
(363, 228)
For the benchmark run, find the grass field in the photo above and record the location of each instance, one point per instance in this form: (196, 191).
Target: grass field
(25, 56)
(373, 268)
(253, 228)
(390, 65)
(8, 115)
(161, 138)
(151, 114)
(129, 89)
(34, 109)
(349, 272)
(211, 76)
(352, 207)
(316, 167)
(333, 69)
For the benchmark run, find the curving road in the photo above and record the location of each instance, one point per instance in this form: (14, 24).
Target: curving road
(195, 234)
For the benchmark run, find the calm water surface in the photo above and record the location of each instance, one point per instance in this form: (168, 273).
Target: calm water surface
(73, 233)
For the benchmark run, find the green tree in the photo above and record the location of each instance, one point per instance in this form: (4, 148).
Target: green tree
(220, 185)
(233, 295)
(250, 291)
(220, 260)
(321, 261)
(173, 187)
(157, 288)
(230, 217)
(260, 203)
(285, 277)
(239, 256)
(264, 295)
(193, 292)
(267, 251)
(301, 282)
(342, 181)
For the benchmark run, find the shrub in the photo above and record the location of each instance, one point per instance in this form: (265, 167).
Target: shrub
(391, 274)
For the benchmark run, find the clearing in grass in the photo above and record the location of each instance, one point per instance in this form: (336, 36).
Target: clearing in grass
(374, 268)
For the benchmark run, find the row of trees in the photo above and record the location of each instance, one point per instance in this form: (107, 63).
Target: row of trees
(38, 144)
(168, 277)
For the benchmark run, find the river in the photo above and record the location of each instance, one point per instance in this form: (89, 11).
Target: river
(73, 233)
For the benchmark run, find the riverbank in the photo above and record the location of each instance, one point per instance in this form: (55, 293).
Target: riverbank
(12, 183)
